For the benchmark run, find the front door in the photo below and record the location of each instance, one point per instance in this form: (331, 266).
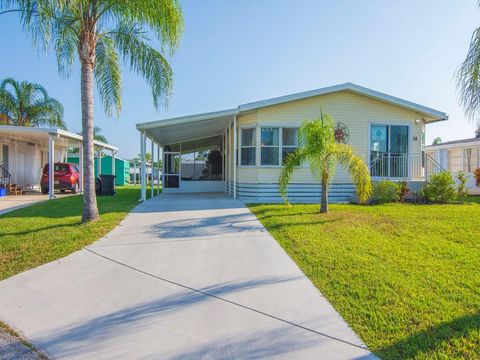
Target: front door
(389, 151)
(171, 169)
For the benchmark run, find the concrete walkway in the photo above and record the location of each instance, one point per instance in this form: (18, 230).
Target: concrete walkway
(182, 277)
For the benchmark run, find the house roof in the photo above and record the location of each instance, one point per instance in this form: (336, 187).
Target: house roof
(217, 121)
(41, 134)
(456, 143)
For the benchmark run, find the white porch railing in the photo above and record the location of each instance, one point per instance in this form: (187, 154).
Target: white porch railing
(414, 167)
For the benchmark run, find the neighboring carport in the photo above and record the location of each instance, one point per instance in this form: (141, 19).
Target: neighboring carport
(50, 145)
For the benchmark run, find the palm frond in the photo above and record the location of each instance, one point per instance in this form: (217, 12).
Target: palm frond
(145, 60)
(357, 169)
(468, 79)
(293, 159)
(108, 75)
(163, 17)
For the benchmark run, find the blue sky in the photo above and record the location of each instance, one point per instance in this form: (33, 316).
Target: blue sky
(239, 51)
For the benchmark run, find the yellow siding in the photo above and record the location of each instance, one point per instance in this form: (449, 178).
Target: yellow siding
(355, 111)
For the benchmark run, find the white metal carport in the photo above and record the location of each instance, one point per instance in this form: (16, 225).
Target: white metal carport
(188, 132)
(51, 142)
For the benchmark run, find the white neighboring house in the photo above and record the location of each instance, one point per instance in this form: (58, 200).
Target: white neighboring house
(459, 155)
(24, 151)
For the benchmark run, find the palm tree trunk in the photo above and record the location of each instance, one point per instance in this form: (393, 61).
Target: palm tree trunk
(324, 201)
(90, 210)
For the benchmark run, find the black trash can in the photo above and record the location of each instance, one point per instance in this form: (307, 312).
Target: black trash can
(108, 184)
(98, 186)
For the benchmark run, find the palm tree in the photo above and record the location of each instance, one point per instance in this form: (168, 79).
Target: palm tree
(27, 104)
(317, 146)
(97, 135)
(468, 78)
(100, 34)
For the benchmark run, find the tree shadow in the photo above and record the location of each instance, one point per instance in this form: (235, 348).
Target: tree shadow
(69, 341)
(431, 339)
(234, 224)
(70, 206)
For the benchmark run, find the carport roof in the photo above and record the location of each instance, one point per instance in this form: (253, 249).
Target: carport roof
(179, 129)
(34, 134)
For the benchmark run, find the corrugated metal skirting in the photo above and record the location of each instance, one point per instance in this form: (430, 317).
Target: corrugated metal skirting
(297, 193)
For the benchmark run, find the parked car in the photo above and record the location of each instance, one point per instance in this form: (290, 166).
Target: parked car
(65, 177)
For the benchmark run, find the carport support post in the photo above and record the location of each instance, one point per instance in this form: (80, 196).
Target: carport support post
(134, 172)
(235, 157)
(80, 164)
(158, 169)
(225, 160)
(152, 187)
(99, 162)
(143, 147)
(51, 165)
(113, 162)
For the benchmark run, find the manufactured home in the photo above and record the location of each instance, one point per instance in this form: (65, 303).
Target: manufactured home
(240, 151)
(459, 155)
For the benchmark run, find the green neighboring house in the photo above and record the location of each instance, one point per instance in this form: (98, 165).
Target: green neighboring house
(122, 167)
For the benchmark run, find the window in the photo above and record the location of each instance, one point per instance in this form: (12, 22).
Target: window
(269, 154)
(289, 141)
(471, 159)
(247, 147)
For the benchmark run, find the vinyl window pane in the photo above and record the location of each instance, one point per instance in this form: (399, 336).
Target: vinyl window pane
(270, 136)
(290, 137)
(248, 156)
(287, 150)
(248, 137)
(269, 155)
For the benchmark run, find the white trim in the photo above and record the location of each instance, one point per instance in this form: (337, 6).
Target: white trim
(435, 114)
(235, 156)
(53, 131)
(187, 119)
(240, 146)
(80, 165)
(51, 166)
(152, 187)
(473, 143)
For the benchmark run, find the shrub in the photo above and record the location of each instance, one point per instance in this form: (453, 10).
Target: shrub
(476, 173)
(440, 188)
(462, 184)
(403, 189)
(386, 191)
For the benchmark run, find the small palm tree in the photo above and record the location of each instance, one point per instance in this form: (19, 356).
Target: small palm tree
(317, 146)
(27, 104)
(99, 33)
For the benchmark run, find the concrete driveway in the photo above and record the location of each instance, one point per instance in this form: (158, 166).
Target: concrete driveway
(182, 277)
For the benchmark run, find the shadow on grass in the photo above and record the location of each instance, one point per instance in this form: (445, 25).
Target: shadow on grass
(29, 231)
(430, 339)
(125, 200)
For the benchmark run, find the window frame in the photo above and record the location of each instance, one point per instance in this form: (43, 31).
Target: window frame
(240, 146)
(270, 146)
(287, 146)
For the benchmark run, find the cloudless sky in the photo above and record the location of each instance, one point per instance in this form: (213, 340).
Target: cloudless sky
(235, 52)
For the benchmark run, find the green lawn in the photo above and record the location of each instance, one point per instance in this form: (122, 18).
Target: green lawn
(50, 230)
(405, 277)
